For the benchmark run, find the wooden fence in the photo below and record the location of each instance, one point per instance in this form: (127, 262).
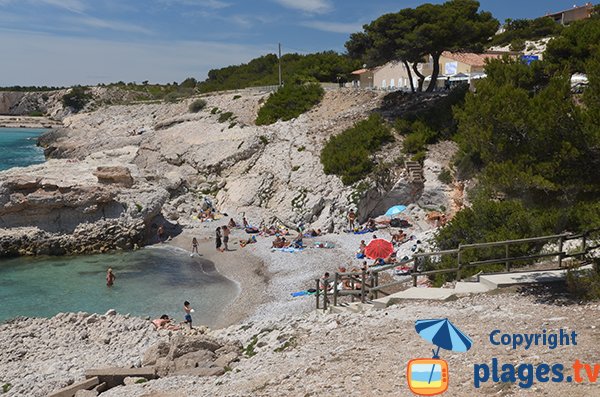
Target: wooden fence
(364, 285)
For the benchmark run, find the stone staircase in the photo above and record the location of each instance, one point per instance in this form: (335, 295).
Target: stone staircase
(415, 171)
(485, 283)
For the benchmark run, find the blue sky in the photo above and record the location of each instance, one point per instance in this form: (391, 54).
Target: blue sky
(65, 42)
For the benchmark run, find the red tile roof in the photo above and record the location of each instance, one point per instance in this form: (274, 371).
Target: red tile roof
(470, 58)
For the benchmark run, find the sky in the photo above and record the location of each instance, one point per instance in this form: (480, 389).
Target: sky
(68, 42)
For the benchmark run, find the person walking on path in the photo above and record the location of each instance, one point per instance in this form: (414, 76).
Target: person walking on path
(226, 233)
(188, 313)
(194, 245)
(218, 241)
(110, 277)
(351, 219)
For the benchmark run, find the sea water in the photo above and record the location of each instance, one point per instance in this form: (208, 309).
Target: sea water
(18, 147)
(150, 282)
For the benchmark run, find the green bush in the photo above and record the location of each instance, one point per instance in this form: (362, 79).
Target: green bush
(348, 154)
(77, 98)
(445, 176)
(223, 117)
(214, 110)
(236, 97)
(36, 113)
(585, 284)
(197, 105)
(289, 102)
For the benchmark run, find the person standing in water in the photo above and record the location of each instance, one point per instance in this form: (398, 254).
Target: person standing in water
(110, 277)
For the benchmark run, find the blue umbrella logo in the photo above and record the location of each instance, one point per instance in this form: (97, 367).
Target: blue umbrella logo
(443, 334)
(427, 377)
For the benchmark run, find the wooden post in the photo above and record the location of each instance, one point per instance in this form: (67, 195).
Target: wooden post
(414, 276)
(507, 263)
(583, 244)
(458, 272)
(335, 290)
(362, 286)
(560, 250)
(376, 284)
(352, 286)
(317, 293)
(326, 285)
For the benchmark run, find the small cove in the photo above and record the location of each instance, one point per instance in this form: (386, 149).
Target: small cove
(150, 282)
(18, 147)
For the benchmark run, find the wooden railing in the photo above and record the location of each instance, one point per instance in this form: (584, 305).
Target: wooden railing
(370, 288)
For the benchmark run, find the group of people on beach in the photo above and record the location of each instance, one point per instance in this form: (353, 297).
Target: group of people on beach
(165, 322)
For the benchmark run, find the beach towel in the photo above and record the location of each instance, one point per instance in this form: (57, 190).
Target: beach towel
(310, 291)
(325, 244)
(288, 249)
(365, 231)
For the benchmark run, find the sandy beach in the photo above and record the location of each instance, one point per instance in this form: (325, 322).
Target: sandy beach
(238, 264)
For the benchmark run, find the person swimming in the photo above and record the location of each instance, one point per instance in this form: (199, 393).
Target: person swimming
(110, 277)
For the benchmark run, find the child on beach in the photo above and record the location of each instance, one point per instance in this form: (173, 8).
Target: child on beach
(110, 277)
(218, 241)
(188, 313)
(194, 246)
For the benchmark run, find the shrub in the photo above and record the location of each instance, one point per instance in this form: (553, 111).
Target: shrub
(289, 102)
(263, 139)
(214, 110)
(295, 168)
(445, 176)
(77, 98)
(236, 97)
(223, 117)
(348, 154)
(197, 105)
(36, 113)
(232, 124)
(301, 148)
(585, 284)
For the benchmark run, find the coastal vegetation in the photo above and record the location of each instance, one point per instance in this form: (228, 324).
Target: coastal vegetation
(517, 31)
(328, 66)
(348, 154)
(534, 146)
(197, 105)
(77, 98)
(290, 101)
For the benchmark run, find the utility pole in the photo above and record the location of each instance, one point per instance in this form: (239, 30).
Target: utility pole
(279, 65)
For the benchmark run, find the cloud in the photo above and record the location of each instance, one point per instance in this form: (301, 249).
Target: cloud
(334, 27)
(309, 6)
(107, 24)
(214, 4)
(75, 60)
(76, 6)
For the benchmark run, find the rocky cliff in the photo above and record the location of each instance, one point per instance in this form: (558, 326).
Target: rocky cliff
(175, 158)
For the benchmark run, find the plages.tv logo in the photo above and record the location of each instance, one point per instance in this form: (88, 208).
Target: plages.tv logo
(429, 376)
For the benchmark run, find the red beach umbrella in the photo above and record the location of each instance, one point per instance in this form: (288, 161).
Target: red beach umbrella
(379, 248)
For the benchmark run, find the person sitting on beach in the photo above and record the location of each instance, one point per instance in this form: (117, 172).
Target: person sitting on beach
(398, 238)
(391, 258)
(298, 240)
(232, 224)
(314, 233)
(378, 262)
(361, 249)
(245, 222)
(251, 240)
(164, 322)
(370, 225)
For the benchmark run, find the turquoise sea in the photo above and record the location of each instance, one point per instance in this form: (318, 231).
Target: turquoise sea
(18, 147)
(150, 282)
